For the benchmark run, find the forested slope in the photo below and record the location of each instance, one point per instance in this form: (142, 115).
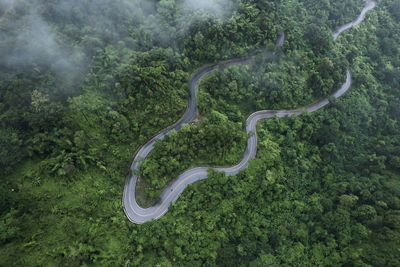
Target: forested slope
(84, 83)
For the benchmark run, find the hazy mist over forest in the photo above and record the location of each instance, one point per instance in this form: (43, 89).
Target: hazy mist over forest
(28, 37)
(85, 84)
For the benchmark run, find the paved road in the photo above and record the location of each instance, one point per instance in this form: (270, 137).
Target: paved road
(281, 39)
(370, 4)
(140, 215)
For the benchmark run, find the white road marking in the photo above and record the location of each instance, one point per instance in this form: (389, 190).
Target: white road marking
(147, 214)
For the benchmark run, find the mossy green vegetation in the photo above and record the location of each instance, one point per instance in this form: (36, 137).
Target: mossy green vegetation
(323, 190)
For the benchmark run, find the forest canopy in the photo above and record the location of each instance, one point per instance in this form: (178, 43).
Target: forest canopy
(83, 84)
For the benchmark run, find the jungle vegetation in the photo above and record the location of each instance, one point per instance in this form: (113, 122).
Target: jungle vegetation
(84, 83)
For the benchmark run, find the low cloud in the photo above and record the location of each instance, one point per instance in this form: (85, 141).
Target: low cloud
(219, 8)
(35, 33)
(6, 5)
(27, 40)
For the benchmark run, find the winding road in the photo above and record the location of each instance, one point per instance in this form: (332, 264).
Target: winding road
(140, 215)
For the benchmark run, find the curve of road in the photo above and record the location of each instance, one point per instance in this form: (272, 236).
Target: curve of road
(140, 215)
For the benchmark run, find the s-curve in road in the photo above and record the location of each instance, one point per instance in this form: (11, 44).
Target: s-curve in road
(140, 215)
(370, 4)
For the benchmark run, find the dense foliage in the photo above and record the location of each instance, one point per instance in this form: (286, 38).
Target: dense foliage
(216, 142)
(84, 83)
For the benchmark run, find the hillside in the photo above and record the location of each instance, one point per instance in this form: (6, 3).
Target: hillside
(84, 84)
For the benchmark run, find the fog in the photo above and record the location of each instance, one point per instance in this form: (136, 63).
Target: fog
(41, 42)
(28, 41)
(6, 5)
(40, 33)
(220, 8)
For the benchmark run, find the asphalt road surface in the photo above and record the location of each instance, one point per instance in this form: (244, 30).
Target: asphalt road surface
(140, 215)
